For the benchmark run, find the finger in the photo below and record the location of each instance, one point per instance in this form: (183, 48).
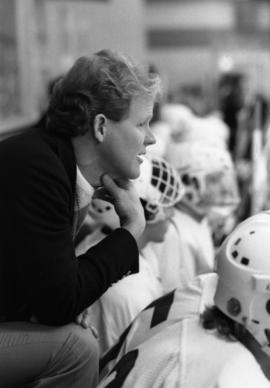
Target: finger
(123, 183)
(86, 315)
(102, 193)
(79, 319)
(113, 185)
(84, 323)
(110, 185)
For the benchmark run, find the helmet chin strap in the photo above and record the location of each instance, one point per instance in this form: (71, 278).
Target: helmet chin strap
(261, 353)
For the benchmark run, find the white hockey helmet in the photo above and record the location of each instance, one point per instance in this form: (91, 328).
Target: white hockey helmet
(158, 186)
(208, 174)
(243, 266)
(179, 118)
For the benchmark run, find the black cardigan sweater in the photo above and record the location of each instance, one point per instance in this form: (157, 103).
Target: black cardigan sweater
(39, 273)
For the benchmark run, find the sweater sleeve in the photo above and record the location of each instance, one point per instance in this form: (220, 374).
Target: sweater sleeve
(42, 275)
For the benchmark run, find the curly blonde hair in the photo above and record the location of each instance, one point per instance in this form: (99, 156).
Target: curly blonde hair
(103, 83)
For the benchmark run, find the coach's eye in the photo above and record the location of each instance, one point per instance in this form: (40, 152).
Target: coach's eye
(140, 125)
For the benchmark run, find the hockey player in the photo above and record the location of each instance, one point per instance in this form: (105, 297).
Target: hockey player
(181, 342)
(210, 189)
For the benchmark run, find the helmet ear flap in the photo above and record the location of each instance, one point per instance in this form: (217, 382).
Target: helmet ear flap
(234, 307)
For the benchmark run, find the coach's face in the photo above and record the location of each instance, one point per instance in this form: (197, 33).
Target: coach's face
(125, 141)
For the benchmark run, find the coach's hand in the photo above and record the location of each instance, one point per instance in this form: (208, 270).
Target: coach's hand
(127, 205)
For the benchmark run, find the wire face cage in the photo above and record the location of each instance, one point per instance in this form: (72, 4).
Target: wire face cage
(166, 179)
(159, 186)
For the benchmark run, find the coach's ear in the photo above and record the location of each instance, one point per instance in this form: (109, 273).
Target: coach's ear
(100, 127)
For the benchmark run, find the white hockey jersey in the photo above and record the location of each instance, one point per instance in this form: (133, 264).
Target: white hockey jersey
(187, 251)
(166, 347)
(113, 312)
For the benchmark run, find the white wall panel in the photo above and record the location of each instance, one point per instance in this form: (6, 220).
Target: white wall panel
(190, 14)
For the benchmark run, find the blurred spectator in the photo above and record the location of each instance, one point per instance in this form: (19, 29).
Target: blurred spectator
(194, 98)
(249, 156)
(231, 95)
